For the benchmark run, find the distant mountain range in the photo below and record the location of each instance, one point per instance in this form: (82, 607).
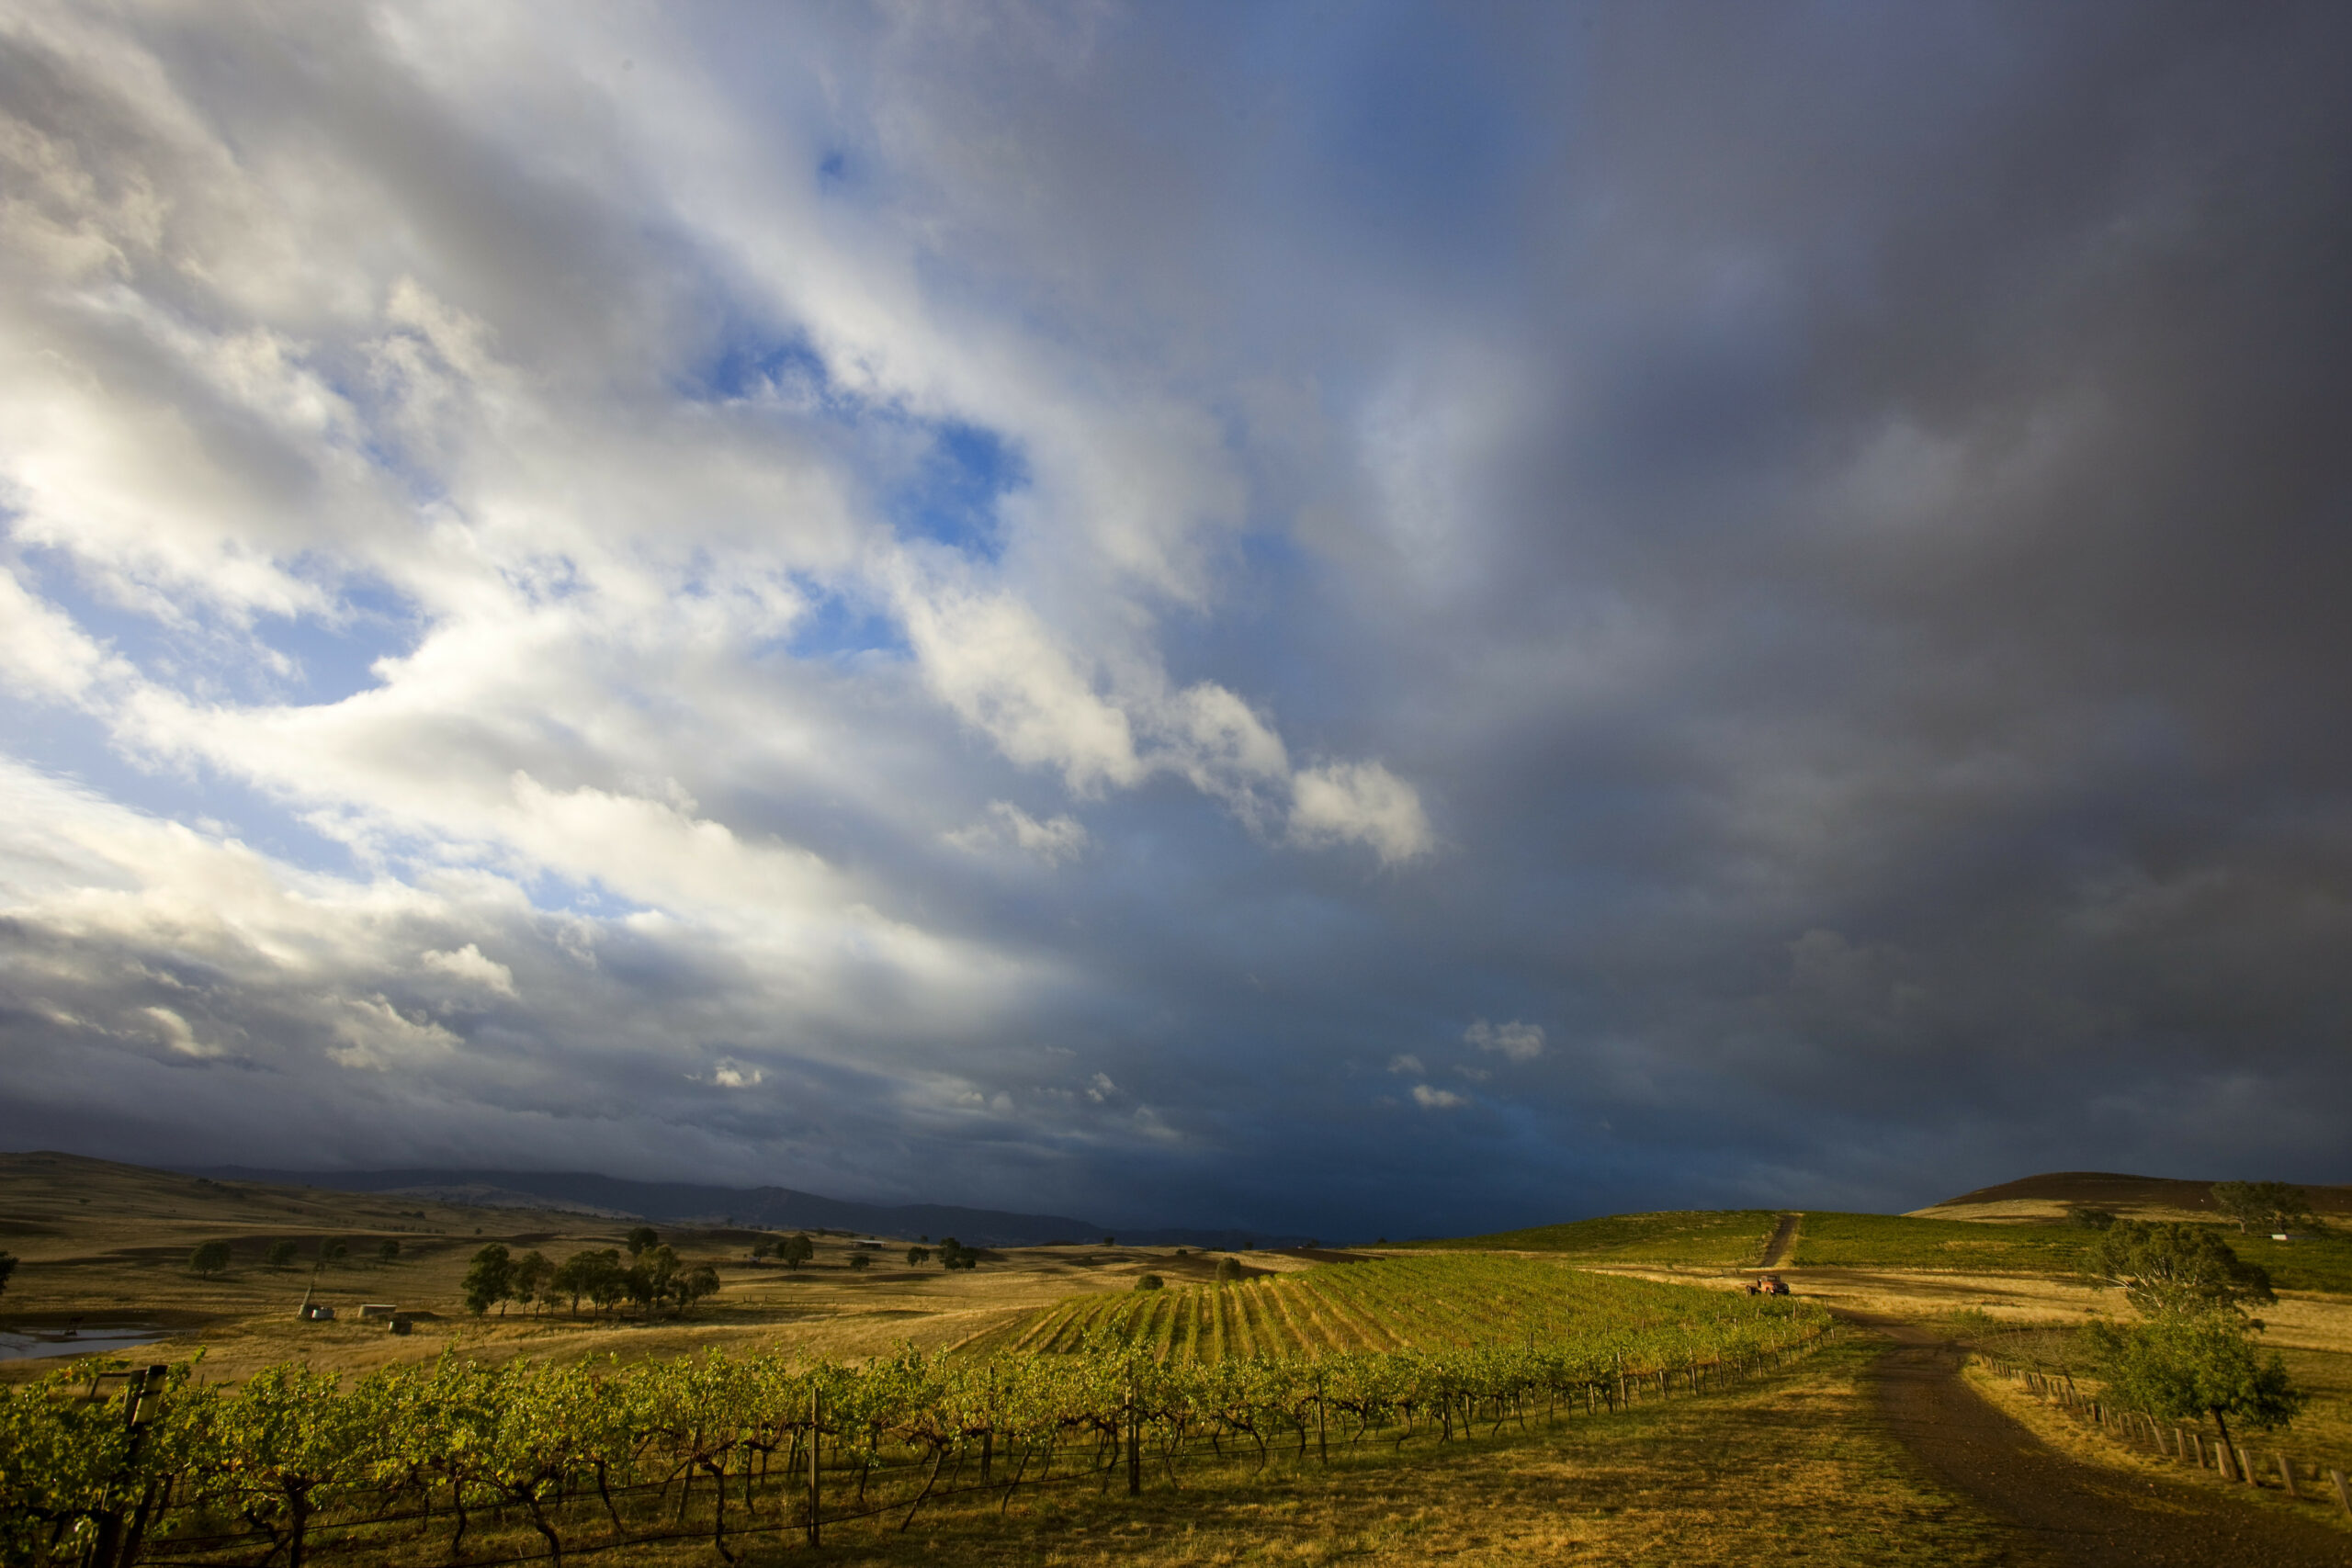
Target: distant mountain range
(750, 1208)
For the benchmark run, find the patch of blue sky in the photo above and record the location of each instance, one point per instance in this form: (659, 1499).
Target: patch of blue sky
(320, 658)
(550, 894)
(840, 627)
(951, 493)
(76, 747)
(334, 659)
(755, 365)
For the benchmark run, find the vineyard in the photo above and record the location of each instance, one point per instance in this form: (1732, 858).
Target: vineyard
(457, 1459)
(1399, 1305)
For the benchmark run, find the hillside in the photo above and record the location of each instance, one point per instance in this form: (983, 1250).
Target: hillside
(2051, 1195)
(757, 1208)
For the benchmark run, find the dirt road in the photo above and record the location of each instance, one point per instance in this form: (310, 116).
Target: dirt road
(2066, 1512)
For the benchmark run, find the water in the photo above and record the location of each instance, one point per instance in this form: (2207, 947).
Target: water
(30, 1344)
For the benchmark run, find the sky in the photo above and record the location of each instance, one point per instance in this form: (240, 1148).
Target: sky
(1351, 618)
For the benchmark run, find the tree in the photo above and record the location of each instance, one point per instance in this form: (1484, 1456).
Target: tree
(7, 1267)
(2090, 1218)
(917, 1254)
(648, 1280)
(388, 1252)
(2169, 1268)
(2192, 1353)
(796, 1250)
(954, 1254)
(282, 1253)
(1150, 1283)
(640, 1238)
(2264, 1206)
(764, 1247)
(1227, 1270)
(861, 1259)
(696, 1284)
(490, 1278)
(330, 1252)
(2196, 1363)
(532, 1271)
(209, 1258)
(595, 1275)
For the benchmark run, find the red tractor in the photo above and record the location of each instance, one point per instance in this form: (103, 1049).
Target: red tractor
(1768, 1285)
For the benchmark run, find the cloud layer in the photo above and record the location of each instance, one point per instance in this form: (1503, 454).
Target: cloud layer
(1129, 603)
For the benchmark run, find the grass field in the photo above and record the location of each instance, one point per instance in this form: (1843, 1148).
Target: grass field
(1728, 1238)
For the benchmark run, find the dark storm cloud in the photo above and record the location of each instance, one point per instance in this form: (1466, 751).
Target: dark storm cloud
(1798, 553)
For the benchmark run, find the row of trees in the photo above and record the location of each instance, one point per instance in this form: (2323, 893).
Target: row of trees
(212, 1258)
(653, 1276)
(2265, 1206)
(794, 1251)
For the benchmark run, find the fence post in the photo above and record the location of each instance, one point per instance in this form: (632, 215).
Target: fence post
(1135, 1437)
(2343, 1491)
(1322, 1449)
(814, 1410)
(2286, 1475)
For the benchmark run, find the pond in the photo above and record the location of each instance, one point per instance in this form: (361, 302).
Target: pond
(30, 1344)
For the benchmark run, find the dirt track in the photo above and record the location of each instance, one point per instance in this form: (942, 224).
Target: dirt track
(2066, 1512)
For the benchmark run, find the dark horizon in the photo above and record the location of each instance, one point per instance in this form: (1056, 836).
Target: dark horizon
(1396, 620)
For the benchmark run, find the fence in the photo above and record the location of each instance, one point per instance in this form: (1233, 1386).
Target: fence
(2234, 1462)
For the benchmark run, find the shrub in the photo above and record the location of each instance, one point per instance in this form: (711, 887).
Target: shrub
(861, 1259)
(1150, 1283)
(390, 1250)
(1227, 1268)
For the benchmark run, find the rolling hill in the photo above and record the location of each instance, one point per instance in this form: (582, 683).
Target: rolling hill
(2051, 1195)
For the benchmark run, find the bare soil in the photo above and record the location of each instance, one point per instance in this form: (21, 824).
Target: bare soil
(1784, 1240)
(2058, 1510)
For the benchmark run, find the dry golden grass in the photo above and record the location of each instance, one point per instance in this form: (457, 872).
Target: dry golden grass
(109, 1244)
(2080, 1439)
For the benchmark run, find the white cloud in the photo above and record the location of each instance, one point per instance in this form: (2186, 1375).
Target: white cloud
(734, 1074)
(44, 654)
(1515, 1041)
(1430, 1099)
(179, 1035)
(1360, 803)
(377, 1037)
(467, 964)
(1409, 1065)
(1054, 840)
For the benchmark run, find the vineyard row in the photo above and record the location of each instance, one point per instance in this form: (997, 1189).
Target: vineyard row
(299, 1462)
